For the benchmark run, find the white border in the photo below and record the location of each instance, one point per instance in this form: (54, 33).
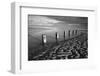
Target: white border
(19, 31)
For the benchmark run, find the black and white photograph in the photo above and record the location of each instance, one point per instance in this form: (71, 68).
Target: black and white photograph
(52, 37)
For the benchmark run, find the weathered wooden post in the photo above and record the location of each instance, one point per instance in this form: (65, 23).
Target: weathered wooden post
(72, 32)
(44, 39)
(64, 35)
(57, 38)
(75, 32)
(69, 34)
(78, 32)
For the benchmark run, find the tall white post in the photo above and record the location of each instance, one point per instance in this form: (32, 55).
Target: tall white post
(57, 37)
(44, 39)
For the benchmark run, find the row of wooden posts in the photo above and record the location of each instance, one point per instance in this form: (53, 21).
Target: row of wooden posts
(70, 33)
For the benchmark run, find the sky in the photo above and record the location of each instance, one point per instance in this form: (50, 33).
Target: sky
(46, 23)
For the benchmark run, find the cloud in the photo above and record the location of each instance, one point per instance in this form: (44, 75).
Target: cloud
(42, 21)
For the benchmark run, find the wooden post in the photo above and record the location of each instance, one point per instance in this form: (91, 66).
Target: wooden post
(69, 34)
(75, 32)
(57, 37)
(78, 32)
(72, 32)
(64, 35)
(44, 39)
